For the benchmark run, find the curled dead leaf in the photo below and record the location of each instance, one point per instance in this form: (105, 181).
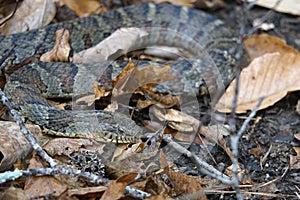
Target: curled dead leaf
(61, 49)
(132, 77)
(158, 99)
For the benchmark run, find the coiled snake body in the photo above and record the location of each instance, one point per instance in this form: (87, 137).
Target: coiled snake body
(27, 88)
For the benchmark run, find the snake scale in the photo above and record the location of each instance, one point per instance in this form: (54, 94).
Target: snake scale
(169, 25)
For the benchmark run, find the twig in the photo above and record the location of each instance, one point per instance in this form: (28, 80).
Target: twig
(138, 194)
(58, 169)
(201, 164)
(234, 145)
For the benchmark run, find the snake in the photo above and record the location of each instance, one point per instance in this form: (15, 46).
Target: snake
(206, 38)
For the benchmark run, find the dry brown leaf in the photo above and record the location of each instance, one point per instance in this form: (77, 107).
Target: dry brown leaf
(158, 99)
(99, 91)
(134, 77)
(66, 146)
(14, 193)
(272, 76)
(30, 16)
(295, 160)
(185, 184)
(133, 163)
(285, 6)
(123, 152)
(258, 45)
(86, 191)
(84, 8)
(118, 43)
(117, 187)
(43, 185)
(155, 185)
(61, 50)
(163, 161)
(176, 119)
(185, 123)
(124, 74)
(115, 190)
(14, 145)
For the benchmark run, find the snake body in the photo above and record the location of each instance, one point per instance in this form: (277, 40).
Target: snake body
(170, 25)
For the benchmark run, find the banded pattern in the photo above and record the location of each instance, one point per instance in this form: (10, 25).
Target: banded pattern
(206, 38)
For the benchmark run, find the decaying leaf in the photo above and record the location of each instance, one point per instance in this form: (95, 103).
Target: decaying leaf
(132, 77)
(61, 49)
(258, 45)
(84, 8)
(186, 127)
(14, 193)
(123, 76)
(86, 191)
(158, 99)
(14, 144)
(58, 147)
(132, 163)
(177, 120)
(123, 152)
(285, 6)
(43, 185)
(185, 184)
(30, 16)
(155, 186)
(99, 91)
(116, 188)
(271, 76)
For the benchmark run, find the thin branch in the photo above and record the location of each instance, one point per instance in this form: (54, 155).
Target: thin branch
(201, 164)
(235, 153)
